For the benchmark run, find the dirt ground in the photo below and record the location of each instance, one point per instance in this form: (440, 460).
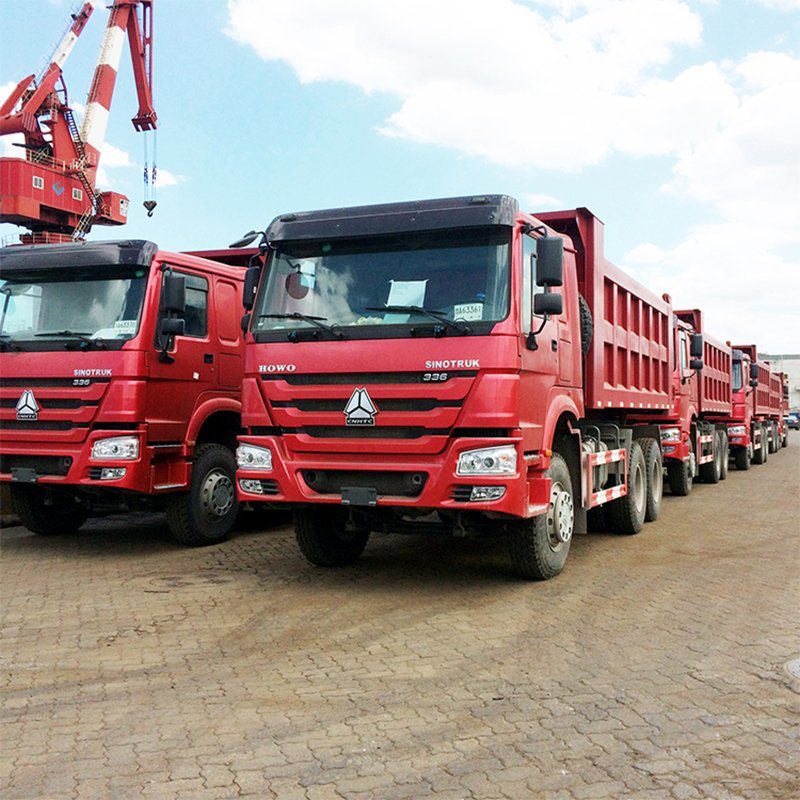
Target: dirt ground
(655, 666)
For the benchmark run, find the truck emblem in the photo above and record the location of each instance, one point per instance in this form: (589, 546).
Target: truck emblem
(27, 407)
(360, 409)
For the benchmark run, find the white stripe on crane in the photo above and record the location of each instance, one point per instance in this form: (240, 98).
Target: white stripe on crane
(95, 122)
(111, 49)
(64, 48)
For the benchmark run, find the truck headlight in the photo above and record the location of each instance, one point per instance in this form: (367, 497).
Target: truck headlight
(670, 434)
(118, 448)
(249, 456)
(488, 461)
(736, 430)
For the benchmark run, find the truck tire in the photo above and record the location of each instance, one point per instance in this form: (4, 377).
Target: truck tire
(207, 512)
(775, 446)
(46, 513)
(726, 454)
(324, 539)
(626, 515)
(710, 472)
(760, 455)
(742, 458)
(539, 546)
(679, 475)
(654, 470)
(785, 440)
(587, 324)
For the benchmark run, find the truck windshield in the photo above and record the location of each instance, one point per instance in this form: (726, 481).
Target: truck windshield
(455, 282)
(49, 307)
(737, 375)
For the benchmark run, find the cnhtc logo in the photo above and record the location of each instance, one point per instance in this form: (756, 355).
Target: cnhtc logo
(27, 407)
(360, 409)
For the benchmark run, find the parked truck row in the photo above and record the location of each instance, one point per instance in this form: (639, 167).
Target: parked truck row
(446, 366)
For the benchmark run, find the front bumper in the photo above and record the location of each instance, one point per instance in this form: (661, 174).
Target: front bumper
(525, 495)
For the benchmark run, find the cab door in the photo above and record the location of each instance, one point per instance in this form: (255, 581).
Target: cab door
(181, 366)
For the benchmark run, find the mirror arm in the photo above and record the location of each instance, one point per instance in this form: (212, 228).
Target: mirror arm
(530, 339)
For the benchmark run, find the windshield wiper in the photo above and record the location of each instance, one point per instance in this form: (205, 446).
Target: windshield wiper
(333, 330)
(6, 342)
(438, 316)
(84, 336)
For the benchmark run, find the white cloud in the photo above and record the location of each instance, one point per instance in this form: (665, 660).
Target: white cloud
(563, 84)
(112, 157)
(166, 178)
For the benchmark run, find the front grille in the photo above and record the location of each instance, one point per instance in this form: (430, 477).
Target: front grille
(366, 432)
(362, 378)
(51, 403)
(383, 404)
(37, 425)
(398, 484)
(41, 465)
(49, 383)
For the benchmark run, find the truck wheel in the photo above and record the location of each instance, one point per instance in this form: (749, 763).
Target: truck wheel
(776, 445)
(726, 453)
(710, 472)
(324, 539)
(742, 458)
(587, 324)
(654, 470)
(539, 546)
(626, 514)
(207, 512)
(785, 440)
(46, 513)
(679, 474)
(760, 455)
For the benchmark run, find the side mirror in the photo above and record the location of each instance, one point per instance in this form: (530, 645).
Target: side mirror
(173, 293)
(696, 346)
(754, 383)
(548, 304)
(172, 326)
(754, 372)
(696, 364)
(550, 261)
(250, 285)
(245, 322)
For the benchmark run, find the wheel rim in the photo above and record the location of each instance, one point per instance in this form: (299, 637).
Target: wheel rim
(657, 481)
(560, 517)
(216, 494)
(639, 488)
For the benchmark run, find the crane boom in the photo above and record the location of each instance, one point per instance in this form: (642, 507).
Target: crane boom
(51, 192)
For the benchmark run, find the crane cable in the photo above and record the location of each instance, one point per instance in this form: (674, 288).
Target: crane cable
(150, 173)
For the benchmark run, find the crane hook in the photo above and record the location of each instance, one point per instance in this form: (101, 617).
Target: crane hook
(150, 205)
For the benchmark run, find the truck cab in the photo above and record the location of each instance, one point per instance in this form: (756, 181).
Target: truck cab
(430, 366)
(122, 368)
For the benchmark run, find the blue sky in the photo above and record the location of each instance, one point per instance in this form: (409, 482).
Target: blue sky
(677, 123)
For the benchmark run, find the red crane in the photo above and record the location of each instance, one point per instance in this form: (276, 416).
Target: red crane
(51, 192)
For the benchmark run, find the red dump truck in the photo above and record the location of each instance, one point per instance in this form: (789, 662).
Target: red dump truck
(757, 402)
(122, 368)
(695, 440)
(451, 366)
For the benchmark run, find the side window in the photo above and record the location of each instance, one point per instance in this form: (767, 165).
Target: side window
(196, 313)
(196, 306)
(684, 350)
(528, 268)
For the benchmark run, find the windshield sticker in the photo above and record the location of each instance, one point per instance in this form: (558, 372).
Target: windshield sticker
(404, 293)
(125, 326)
(469, 312)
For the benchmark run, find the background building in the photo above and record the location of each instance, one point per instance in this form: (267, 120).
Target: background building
(790, 364)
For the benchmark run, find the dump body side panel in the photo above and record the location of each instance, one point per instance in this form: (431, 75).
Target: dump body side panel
(629, 363)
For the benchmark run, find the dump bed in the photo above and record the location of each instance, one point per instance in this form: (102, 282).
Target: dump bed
(775, 393)
(629, 364)
(762, 406)
(714, 392)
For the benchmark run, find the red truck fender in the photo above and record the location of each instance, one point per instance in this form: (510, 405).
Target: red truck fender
(202, 413)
